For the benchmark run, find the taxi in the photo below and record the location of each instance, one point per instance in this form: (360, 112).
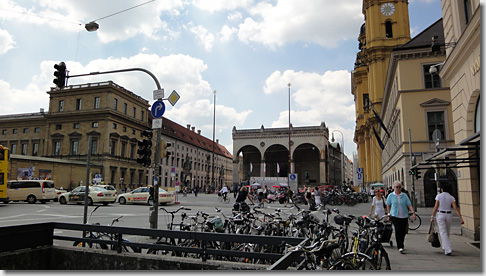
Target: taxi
(95, 195)
(142, 195)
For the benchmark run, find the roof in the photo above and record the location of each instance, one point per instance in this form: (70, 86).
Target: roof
(176, 131)
(424, 39)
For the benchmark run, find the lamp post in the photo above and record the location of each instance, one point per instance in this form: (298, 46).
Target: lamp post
(214, 127)
(290, 155)
(332, 140)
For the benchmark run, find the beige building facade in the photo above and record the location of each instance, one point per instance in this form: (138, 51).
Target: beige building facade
(55, 143)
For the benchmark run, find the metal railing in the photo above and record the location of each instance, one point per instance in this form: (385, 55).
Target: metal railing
(34, 235)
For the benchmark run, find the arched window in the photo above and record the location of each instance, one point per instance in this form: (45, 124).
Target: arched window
(388, 29)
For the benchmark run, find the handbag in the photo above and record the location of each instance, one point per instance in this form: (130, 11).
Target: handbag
(433, 236)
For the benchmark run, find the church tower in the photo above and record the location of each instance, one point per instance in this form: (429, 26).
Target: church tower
(386, 26)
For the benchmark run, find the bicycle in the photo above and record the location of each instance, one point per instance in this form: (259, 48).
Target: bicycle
(414, 224)
(107, 236)
(223, 198)
(170, 226)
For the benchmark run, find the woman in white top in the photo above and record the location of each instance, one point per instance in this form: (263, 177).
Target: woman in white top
(442, 208)
(378, 204)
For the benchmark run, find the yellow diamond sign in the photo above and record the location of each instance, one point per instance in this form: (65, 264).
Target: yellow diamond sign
(173, 98)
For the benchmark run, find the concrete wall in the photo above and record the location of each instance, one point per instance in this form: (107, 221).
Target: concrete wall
(64, 258)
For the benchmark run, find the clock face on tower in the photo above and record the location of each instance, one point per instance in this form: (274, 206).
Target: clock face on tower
(387, 9)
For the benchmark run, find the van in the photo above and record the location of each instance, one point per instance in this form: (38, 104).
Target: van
(31, 190)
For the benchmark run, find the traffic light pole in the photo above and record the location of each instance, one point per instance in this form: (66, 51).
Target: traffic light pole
(153, 216)
(414, 202)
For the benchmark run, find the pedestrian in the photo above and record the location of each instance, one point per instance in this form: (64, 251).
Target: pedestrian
(378, 205)
(317, 198)
(235, 190)
(442, 208)
(243, 194)
(398, 204)
(288, 196)
(196, 190)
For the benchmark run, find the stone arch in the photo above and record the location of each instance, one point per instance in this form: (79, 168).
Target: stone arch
(276, 158)
(251, 161)
(306, 157)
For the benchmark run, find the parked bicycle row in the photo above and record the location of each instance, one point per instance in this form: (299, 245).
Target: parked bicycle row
(328, 246)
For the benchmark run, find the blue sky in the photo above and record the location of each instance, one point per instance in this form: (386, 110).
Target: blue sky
(246, 50)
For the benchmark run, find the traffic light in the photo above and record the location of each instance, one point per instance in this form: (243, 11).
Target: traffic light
(60, 74)
(417, 174)
(411, 172)
(164, 145)
(145, 149)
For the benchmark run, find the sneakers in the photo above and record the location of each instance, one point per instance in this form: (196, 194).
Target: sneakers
(400, 250)
(449, 253)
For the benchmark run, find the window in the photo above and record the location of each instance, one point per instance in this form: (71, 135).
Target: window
(58, 127)
(123, 148)
(124, 129)
(134, 112)
(78, 104)
(35, 149)
(431, 80)
(143, 113)
(25, 130)
(115, 104)
(14, 131)
(114, 125)
(24, 149)
(57, 148)
(36, 130)
(366, 102)
(61, 106)
(97, 103)
(74, 147)
(4, 132)
(125, 107)
(388, 29)
(132, 151)
(94, 146)
(94, 124)
(467, 11)
(435, 120)
(113, 147)
(76, 125)
(14, 148)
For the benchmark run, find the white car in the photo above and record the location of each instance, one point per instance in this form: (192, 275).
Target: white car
(95, 195)
(141, 195)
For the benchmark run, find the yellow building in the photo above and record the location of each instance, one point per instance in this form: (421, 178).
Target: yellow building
(462, 68)
(416, 110)
(386, 26)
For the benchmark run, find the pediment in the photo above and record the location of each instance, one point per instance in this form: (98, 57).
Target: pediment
(435, 102)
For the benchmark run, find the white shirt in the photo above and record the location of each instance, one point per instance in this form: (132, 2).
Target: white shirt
(379, 209)
(224, 190)
(445, 201)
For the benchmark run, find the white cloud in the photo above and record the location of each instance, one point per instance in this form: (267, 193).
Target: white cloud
(6, 42)
(315, 98)
(221, 5)
(206, 38)
(324, 22)
(235, 16)
(227, 33)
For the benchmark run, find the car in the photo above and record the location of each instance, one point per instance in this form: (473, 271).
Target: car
(141, 195)
(104, 186)
(58, 192)
(95, 195)
(31, 191)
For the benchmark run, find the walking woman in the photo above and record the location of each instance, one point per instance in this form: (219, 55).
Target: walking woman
(378, 205)
(442, 208)
(398, 204)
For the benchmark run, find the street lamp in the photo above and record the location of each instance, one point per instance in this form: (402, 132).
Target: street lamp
(332, 140)
(214, 126)
(92, 26)
(290, 157)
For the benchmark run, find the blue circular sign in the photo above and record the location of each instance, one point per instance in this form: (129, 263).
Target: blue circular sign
(293, 176)
(158, 109)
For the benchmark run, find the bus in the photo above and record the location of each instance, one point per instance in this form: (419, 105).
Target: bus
(4, 160)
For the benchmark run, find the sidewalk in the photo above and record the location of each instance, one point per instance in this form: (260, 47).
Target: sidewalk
(419, 255)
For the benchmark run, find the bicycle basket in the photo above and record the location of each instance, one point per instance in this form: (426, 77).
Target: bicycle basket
(218, 224)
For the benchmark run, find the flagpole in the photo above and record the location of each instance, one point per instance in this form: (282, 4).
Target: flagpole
(290, 156)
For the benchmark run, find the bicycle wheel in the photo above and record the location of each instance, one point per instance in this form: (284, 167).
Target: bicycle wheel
(414, 224)
(354, 261)
(379, 257)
